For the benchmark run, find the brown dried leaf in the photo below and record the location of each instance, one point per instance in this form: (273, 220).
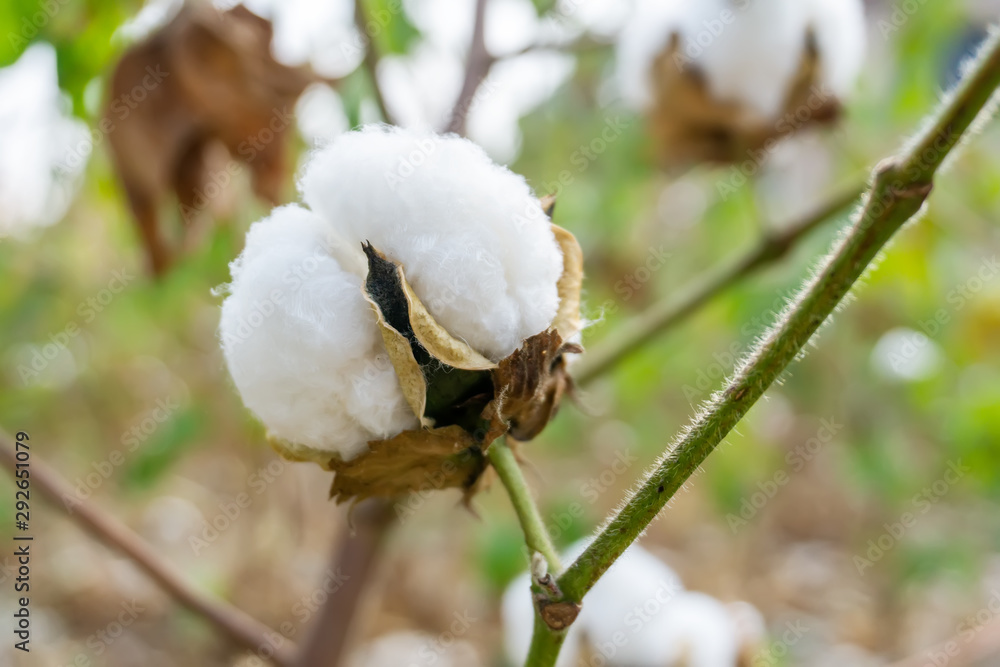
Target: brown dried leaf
(568, 321)
(411, 378)
(437, 341)
(441, 458)
(204, 81)
(296, 452)
(530, 384)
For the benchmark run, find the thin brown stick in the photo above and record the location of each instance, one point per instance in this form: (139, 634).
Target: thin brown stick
(354, 559)
(477, 66)
(234, 623)
(371, 59)
(662, 316)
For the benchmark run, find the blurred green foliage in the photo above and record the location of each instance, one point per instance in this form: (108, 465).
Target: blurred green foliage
(157, 340)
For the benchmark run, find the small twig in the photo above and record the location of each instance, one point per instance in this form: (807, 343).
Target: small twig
(236, 624)
(536, 535)
(371, 60)
(899, 190)
(634, 335)
(477, 65)
(354, 559)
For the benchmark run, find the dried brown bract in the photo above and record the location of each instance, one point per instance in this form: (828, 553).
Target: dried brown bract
(203, 85)
(690, 126)
(463, 400)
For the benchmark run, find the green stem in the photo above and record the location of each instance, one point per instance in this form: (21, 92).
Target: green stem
(899, 189)
(536, 535)
(666, 314)
(545, 645)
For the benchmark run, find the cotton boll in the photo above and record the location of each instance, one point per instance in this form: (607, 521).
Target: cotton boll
(839, 29)
(301, 342)
(471, 237)
(518, 616)
(749, 52)
(640, 580)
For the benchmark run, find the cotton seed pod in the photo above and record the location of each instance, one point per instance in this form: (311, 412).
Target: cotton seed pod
(419, 311)
(721, 80)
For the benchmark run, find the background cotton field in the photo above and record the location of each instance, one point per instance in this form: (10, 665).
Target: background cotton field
(849, 519)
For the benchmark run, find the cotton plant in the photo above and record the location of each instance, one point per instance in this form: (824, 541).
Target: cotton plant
(640, 615)
(721, 79)
(416, 306)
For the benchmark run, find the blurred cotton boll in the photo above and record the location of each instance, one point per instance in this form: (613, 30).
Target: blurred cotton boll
(45, 149)
(470, 235)
(320, 114)
(721, 79)
(301, 341)
(906, 355)
(639, 615)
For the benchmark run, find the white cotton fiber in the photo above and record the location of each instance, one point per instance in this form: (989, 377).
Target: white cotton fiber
(748, 50)
(621, 613)
(471, 237)
(301, 342)
(839, 27)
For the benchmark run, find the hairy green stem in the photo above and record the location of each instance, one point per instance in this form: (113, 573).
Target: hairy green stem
(536, 535)
(898, 191)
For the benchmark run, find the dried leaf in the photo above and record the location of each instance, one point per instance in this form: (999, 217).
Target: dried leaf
(439, 343)
(203, 83)
(296, 452)
(456, 386)
(530, 384)
(568, 321)
(411, 378)
(441, 458)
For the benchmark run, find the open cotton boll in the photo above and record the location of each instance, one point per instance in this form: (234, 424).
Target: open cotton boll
(301, 342)
(469, 234)
(748, 52)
